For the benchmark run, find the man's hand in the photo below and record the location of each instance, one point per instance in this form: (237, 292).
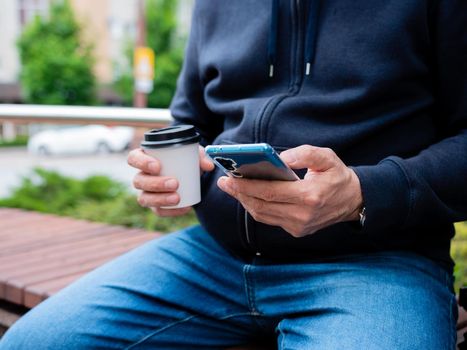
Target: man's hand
(159, 191)
(329, 193)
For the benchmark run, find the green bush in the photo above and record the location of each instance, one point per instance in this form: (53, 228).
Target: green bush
(459, 254)
(18, 141)
(96, 198)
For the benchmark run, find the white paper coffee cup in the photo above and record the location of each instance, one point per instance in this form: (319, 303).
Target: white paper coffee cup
(176, 148)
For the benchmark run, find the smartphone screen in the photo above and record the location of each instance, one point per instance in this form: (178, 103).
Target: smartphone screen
(250, 161)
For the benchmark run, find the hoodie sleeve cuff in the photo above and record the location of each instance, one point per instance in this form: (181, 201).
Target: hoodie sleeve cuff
(386, 195)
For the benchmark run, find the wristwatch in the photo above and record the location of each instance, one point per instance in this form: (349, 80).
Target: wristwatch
(362, 216)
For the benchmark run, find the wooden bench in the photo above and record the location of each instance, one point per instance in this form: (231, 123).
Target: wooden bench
(41, 254)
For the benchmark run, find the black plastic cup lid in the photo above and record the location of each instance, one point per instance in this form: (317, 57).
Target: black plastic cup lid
(170, 136)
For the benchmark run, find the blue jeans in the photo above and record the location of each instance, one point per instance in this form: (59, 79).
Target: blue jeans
(184, 291)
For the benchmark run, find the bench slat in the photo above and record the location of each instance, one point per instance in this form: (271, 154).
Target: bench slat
(41, 254)
(38, 260)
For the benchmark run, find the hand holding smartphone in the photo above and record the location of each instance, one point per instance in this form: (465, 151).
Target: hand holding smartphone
(250, 161)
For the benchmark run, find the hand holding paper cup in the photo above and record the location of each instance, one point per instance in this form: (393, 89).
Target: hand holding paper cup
(176, 148)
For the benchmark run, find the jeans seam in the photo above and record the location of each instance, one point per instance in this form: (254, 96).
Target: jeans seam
(281, 333)
(249, 290)
(252, 314)
(249, 284)
(150, 335)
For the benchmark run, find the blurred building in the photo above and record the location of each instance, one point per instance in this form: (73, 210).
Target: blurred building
(108, 24)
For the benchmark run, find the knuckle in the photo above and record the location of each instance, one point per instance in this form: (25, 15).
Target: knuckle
(297, 229)
(137, 182)
(300, 231)
(294, 232)
(329, 153)
(269, 195)
(258, 206)
(315, 200)
(234, 193)
(303, 218)
(254, 212)
(147, 183)
(152, 185)
(311, 200)
(307, 150)
(319, 202)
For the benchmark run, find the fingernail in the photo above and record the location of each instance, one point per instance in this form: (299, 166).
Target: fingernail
(171, 184)
(153, 167)
(172, 199)
(223, 183)
(207, 164)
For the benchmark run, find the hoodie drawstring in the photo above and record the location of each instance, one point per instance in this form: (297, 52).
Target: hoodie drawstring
(311, 34)
(273, 36)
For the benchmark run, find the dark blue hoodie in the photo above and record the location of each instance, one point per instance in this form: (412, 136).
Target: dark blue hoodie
(383, 83)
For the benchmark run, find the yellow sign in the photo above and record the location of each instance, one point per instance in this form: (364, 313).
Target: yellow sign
(144, 69)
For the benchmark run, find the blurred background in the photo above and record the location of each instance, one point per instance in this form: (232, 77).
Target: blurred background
(80, 52)
(80, 81)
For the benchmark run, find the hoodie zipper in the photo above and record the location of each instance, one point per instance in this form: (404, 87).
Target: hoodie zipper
(294, 87)
(296, 78)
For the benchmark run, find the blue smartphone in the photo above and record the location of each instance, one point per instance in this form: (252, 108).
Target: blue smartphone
(250, 161)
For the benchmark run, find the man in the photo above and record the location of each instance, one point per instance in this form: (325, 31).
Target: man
(368, 102)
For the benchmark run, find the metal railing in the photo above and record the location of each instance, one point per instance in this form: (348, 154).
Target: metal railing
(81, 114)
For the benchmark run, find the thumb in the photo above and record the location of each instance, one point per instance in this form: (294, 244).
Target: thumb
(204, 162)
(310, 157)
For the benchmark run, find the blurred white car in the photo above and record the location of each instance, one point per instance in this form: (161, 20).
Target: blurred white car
(81, 140)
